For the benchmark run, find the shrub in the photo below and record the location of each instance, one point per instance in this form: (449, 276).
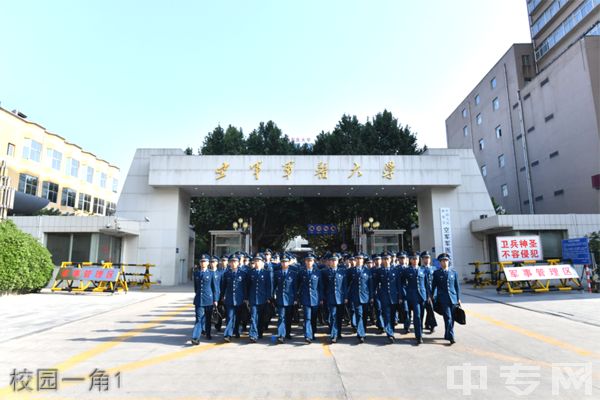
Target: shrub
(25, 264)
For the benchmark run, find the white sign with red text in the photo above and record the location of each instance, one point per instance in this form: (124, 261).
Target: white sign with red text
(519, 248)
(540, 272)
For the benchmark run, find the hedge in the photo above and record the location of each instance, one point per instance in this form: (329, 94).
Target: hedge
(25, 264)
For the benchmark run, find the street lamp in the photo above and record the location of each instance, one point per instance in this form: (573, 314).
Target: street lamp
(243, 227)
(369, 228)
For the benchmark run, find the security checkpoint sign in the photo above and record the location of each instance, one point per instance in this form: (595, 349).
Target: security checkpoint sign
(519, 248)
(540, 272)
(88, 274)
(577, 250)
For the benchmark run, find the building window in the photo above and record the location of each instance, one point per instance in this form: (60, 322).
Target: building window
(477, 99)
(103, 180)
(495, 104)
(526, 202)
(498, 132)
(68, 197)
(535, 163)
(10, 150)
(554, 154)
(549, 117)
(115, 185)
(85, 202)
(54, 158)
(111, 208)
(531, 129)
(72, 167)
(504, 189)
(32, 150)
(98, 206)
(28, 184)
(539, 198)
(501, 161)
(479, 119)
(481, 144)
(493, 83)
(526, 60)
(484, 170)
(464, 113)
(522, 169)
(559, 192)
(528, 95)
(89, 176)
(519, 136)
(465, 130)
(50, 191)
(544, 82)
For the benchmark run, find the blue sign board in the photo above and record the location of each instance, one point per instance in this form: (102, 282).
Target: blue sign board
(322, 229)
(576, 250)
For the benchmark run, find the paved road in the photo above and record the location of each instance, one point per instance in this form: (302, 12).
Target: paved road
(144, 337)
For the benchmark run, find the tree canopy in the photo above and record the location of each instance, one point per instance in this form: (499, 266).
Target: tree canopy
(277, 220)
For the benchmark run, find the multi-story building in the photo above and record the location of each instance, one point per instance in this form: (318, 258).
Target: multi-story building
(533, 122)
(46, 170)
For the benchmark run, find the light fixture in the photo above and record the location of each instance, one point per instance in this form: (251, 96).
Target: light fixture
(371, 219)
(245, 225)
(240, 220)
(235, 225)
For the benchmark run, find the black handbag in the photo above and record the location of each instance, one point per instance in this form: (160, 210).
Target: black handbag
(459, 315)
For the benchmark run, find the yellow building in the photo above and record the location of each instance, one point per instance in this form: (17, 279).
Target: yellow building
(45, 169)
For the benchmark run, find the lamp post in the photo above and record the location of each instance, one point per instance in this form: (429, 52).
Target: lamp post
(369, 228)
(243, 227)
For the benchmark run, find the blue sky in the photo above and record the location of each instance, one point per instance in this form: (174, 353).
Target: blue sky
(112, 76)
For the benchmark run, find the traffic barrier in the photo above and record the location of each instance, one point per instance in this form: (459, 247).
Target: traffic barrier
(142, 279)
(531, 276)
(480, 279)
(89, 277)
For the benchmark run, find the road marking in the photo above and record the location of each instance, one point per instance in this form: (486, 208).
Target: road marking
(534, 335)
(101, 348)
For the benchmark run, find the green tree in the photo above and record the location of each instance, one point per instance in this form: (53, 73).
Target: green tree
(25, 264)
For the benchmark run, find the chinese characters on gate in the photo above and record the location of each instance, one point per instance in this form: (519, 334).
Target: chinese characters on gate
(321, 170)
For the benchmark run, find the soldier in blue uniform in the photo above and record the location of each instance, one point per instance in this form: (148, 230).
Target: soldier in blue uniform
(415, 289)
(234, 290)
(429, 319)
(389, 293)
(335, 295)
(360, 294)
(219, 310)
(207, 293)
(376, 316)
(285, 286)
(310, 291)
(403, 313)
(446, 292)
(259, 293)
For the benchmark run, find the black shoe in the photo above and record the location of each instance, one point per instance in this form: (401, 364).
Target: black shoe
(420, 340)
(379, 331)
(203, 333)
(280, 339)
(361, 339)
(432, 330)
(404, 331)
(208, 337)
(253, 340)
(391, 339)
(308, 340)
(289, 337)
(227, 339)
(334, 340)
(452, 341)
(195, 342)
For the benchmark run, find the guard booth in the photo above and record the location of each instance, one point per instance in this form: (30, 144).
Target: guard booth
(228, 241)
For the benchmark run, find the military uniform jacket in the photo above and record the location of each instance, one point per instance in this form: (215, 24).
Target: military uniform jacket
(285, 286)
(388, 288)
(234, 287)
(336, 286)
(360, 285)
(259, 286)
(310, 287)
(446, 288)
(205, 287)
(415, 284)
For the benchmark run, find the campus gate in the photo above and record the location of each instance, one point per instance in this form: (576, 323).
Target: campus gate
(447, 183)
